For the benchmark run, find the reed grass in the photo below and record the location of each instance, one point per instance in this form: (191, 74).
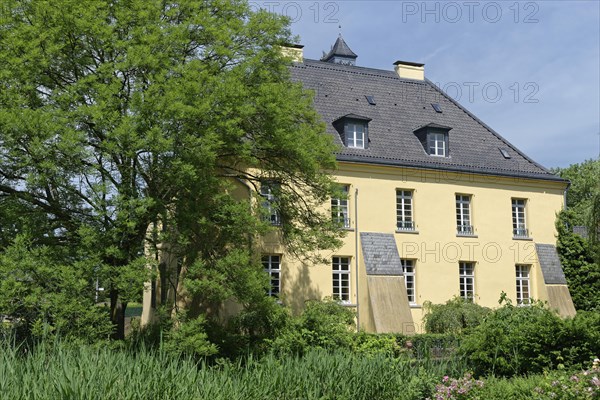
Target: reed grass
(67, 371)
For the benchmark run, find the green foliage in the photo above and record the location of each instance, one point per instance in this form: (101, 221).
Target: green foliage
(580, 256)
(117, 117)
(456, 315)
(523, 340)
(585, 183)
(43, 294)
(580, 339)
(373, 343)
(189, 338)
(576, 256)
(463, 388)
(323, 324)
(60, 371)
(581, 385)
(514, 340)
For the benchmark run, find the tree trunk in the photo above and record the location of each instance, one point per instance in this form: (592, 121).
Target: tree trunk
(117, 315)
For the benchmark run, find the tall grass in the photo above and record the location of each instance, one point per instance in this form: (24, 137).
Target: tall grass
(63, 371)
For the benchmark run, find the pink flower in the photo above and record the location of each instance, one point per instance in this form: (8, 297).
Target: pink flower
(445, 379)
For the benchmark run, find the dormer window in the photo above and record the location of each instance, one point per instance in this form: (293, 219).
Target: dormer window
(354, 130)
(436, 143)
(435, 139)
(355, 134)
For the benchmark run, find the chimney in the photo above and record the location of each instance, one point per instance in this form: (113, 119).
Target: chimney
(293, 51)
(410, 70)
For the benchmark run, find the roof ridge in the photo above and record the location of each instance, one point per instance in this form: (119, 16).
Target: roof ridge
(382, 73)
(486, 126)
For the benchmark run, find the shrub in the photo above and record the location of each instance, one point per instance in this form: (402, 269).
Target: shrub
(459, 389)
(581, 385)
(372, 343)
(455, 316)
(580, 339)
(323, 324)
(434, 345)
(515, 340)
(189, 338)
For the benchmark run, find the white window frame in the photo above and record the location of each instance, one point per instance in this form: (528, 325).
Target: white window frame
(272, 265)
(269, 203)
(340, 210)
(340, 268)
(410, 279)
(519, 218)
(466, 273)
(356, 133)
(404, 210)
(463, 215)
(523, 286)
(437, 144)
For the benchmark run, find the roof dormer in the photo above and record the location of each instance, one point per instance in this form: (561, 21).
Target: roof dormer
(353, 130)
(435, 139)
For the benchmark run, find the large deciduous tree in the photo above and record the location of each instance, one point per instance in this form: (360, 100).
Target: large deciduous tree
(128, 120)
(580, 253)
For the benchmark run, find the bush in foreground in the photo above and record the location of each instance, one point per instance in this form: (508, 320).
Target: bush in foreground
(454, 316)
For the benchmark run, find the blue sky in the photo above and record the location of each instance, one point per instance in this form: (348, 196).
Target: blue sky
(530, 69)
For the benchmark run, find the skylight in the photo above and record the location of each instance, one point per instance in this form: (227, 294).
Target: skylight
(371, 100)
(504, 152)
(436, 107)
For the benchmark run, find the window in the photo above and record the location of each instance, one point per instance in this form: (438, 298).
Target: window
(467, 280)
(272, 266)
(341, 278)
(269, 203)
(523, 295)
(518, 218)
(339, 208)
(408, 269)
(437, 144)
(463, 215)
(355, 134)
(404, 211)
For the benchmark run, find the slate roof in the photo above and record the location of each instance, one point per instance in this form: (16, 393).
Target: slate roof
(341, 49)
(550, 263)
(380, 254)
(402, 106)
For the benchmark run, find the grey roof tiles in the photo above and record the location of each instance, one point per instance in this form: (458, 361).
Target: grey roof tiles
(403, 106)
(550, 264)
(340, 48)
(380, 254)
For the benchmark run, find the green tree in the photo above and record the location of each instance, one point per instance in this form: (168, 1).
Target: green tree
(576, 257)
(43, 296)
(127, 123)
(580, 255)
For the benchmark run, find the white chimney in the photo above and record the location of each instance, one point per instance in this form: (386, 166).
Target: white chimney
(410, 70)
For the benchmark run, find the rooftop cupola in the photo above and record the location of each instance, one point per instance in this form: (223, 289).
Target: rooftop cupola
(340, 53)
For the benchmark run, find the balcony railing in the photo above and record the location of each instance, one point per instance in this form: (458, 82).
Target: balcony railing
(520, 232)
(464, 230)
(405, 226)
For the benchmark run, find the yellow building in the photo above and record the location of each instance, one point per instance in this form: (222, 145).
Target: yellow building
(438, 204)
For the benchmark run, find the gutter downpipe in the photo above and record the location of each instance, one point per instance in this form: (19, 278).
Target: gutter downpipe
(356, 256)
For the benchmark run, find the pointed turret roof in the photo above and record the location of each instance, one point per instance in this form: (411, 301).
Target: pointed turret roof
(340, 50)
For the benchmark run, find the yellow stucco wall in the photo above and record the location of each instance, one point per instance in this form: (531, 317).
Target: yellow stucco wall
(435, 247)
